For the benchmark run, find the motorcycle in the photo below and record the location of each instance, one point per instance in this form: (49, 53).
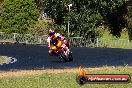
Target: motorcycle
(61, 52)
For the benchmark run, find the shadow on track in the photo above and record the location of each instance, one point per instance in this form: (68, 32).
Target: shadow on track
(36, 57)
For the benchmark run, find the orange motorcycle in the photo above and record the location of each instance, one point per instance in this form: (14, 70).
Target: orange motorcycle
(60, 51)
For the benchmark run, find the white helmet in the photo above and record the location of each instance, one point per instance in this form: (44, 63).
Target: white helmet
(51, 32)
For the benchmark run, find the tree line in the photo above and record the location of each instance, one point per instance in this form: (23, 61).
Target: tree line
(85, 16)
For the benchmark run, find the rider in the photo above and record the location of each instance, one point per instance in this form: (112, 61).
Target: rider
(52, 36)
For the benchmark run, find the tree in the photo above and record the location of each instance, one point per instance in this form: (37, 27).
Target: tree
(56, 9)
(40, 4)
(113, 13)
(81, 22)
(85, 19)
(1, 9)
(87, 15)
(18, 15)
(129, 19)
(40, 28)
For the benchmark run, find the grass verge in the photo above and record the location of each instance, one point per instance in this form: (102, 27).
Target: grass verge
(2, 59)
(64, 80)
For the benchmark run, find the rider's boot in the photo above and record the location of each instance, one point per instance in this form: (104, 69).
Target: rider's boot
(50, 53)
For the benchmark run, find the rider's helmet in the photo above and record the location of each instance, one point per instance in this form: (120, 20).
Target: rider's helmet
(51, 32)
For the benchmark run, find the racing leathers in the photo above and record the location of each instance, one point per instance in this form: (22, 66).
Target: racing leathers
(52, 39)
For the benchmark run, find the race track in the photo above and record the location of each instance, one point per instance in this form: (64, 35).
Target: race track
(36, 57)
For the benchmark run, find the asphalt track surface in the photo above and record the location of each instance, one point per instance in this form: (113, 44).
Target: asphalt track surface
(36, 57)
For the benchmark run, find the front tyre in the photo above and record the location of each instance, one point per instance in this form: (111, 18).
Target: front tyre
(66, 58)
(63, 56)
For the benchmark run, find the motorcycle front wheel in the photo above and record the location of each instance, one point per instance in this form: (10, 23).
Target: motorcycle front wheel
(67, 58)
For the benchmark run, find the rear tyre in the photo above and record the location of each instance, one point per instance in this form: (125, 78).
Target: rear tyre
(68, 58)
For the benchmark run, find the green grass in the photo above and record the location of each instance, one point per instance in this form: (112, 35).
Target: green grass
(63, 80)
(106, 34)
(115, 43)
(2, 59)
(110, 41)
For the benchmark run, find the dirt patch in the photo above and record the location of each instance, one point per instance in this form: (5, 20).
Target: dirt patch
(33, 72)
(100, 69)
(39, 72)
(15, 73)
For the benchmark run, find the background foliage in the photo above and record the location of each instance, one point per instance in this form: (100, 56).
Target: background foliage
(128, 17)
(18, 15)
(86, 16)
